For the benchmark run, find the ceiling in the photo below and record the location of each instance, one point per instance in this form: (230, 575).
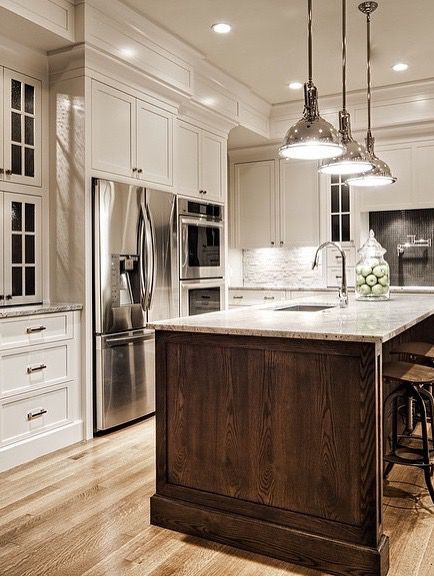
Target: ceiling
(266, 48)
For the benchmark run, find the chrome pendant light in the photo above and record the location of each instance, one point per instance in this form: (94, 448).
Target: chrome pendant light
(355, 160)
(311, 137)
(380, 174)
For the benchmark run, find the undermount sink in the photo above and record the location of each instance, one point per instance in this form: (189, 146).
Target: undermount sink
(303, 308)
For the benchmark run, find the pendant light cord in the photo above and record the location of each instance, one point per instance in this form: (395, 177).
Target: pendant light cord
(309, 31)
(368, 60)
(344, 56)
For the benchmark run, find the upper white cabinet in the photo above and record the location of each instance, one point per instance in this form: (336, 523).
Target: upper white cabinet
(20, 249)
(20, 140)
(130, 137)
(299, 203)
(254, 205)
(275, 203)
(423, 173)
(199, 163)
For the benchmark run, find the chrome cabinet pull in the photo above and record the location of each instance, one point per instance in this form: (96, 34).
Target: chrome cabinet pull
(268, 297)
(31, 369)
(36, 413)
(8, 171)
(35, 329)
(238, 297)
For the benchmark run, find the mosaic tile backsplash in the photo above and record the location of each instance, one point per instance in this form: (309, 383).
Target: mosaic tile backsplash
(279, 267)
(415, 267)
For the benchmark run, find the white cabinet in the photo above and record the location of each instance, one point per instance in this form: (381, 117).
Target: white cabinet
(255, 197)
(40, 399)
(20, 249)
(423, 162)
(113, 130)
(299, 203)
(154, 144)
(199, 162)
(269, 211)
(20, 140)
(131, 137)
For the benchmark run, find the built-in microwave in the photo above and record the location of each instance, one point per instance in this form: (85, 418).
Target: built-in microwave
(202, 296)
(201, 230)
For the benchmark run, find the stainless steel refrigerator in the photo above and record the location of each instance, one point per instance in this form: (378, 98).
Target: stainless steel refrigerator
(135, 282)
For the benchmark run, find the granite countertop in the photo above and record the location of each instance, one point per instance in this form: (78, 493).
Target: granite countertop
(359, 322)
(46, 308)
(393, 289)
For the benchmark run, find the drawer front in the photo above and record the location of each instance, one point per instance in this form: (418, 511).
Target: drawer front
(37, 367)
(335, 258)
(29, 416)
(254, 297)
(334, 276)
(28, 331)
(312, 294)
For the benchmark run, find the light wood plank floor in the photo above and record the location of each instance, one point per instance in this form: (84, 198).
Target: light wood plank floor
(85, 511)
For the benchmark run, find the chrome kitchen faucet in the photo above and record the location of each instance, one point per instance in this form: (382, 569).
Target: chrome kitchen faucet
(343, 294)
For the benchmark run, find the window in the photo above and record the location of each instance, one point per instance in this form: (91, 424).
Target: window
(340, 209)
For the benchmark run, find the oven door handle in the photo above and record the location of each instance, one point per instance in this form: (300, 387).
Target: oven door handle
(200, 222)
(130, 339)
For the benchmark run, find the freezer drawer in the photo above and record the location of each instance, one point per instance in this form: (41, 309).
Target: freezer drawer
(125, 377)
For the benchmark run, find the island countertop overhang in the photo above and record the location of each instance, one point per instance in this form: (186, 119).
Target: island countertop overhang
(361, 321)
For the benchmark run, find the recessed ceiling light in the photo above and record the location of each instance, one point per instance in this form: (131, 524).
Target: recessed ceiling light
(221, 27)
(400, 67)
(295, 85)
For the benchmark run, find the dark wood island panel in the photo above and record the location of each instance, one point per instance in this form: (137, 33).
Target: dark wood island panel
(272, 445)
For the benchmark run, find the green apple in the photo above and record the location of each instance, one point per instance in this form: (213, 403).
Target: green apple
(365, 289)
(358, 269)
(384, 280)
(378, 289)
(360, 280)
(371, 280)
(366, 270)
(380, 270)
(374, 262)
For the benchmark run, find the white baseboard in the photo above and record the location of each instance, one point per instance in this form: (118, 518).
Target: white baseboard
(31, 448)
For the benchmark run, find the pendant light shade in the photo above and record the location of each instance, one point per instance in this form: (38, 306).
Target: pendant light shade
(380, 174)
(312, 137)
(355, 160)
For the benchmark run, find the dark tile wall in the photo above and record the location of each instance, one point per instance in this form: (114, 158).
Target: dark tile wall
(416, 265)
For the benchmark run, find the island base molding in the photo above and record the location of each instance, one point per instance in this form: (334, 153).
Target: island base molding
(277, 541)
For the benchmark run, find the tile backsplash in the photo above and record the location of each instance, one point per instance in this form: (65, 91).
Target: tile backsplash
(274, 267)
(415, 267)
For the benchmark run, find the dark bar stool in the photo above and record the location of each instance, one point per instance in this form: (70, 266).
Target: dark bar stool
(422, 352)
(409, 449)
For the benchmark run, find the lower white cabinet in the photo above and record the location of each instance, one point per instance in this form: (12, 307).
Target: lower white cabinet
(251, 297)
(40, 396)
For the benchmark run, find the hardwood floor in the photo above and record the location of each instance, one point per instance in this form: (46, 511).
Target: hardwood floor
(85, 511)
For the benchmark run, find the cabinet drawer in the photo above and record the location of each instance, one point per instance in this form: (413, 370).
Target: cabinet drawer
(35, 367)
(254, 297)
(32, 415)
(334, 256)
(28, 331)
(334, 276)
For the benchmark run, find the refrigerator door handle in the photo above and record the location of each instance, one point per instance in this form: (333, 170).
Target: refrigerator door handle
(150, 258)
(141, 244)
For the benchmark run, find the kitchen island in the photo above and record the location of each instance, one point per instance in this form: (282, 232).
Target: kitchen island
(270, 428)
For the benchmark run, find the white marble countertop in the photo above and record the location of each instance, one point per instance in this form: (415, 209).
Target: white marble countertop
(34, 310)
(394, 289)
(359, 322)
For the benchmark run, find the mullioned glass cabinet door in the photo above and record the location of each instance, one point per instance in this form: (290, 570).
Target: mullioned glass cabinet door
(22, 261)
(22, 128)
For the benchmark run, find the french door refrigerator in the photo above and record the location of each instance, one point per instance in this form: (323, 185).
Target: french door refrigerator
(135, 282)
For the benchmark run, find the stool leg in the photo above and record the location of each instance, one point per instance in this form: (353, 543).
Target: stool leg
(430, 397)
(425, 440)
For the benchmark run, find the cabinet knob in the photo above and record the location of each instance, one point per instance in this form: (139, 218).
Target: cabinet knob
(204, 192)
(8, 297)
(281, 243)
(139, 170)
(1, 170)
(134, 169)
(8, 171)
(272, 243)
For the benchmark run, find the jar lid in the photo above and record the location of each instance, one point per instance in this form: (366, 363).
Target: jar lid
(371, 247)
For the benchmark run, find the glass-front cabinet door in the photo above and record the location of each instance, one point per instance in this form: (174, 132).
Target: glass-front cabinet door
(22, 128)
(21, 249)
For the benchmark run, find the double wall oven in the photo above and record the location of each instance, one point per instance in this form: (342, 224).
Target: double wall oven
(202, 257)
